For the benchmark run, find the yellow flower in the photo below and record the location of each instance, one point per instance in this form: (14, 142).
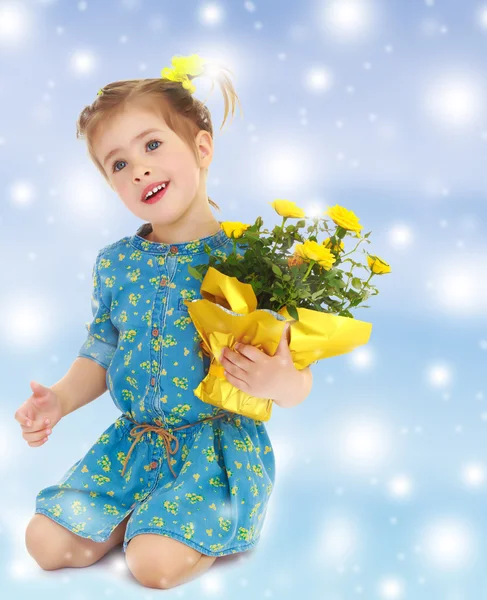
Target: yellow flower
(334, 247)
(344, 218)
(377, 265)
(234, 227)
(182, 67)
(286, 208)
(311, 250)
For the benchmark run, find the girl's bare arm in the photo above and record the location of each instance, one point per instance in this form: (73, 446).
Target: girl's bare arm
(84, 382)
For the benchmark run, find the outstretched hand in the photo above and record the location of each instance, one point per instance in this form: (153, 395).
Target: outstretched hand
(39, 414)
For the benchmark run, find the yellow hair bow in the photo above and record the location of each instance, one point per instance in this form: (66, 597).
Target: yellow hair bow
(182, 67)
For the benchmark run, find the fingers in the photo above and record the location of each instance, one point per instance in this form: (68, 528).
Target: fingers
(37, 438)
(40, 443)
(232, 362)
(35, 431)
(31, 425)
(36, 425)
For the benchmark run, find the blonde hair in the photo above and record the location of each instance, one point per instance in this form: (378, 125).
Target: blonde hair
(183, 113)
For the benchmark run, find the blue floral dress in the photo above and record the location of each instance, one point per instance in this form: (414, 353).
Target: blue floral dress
(207, 484)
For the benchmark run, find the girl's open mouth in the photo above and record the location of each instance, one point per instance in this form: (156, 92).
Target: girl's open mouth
(157, 196)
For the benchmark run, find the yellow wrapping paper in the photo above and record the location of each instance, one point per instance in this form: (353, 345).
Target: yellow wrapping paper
(228, 314)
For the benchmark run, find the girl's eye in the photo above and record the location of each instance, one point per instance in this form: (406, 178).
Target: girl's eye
(115, 170)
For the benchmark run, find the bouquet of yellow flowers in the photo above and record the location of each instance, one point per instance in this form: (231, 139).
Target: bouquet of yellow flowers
(248, 297)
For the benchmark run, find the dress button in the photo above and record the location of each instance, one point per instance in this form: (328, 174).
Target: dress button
(155, 332)
(174, 249)
(163, 282)
(153, 464)
(153, 381)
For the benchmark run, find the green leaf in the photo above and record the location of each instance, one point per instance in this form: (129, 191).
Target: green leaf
(277, 270)
(291, 309)
(356, 283)
(195, 273)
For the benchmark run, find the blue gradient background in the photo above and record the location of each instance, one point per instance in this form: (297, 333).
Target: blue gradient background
(380, 488)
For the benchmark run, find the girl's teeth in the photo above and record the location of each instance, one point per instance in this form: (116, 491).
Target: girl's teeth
(157, 190)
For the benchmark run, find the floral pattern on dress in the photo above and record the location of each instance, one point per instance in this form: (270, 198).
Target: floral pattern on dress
(141, 333)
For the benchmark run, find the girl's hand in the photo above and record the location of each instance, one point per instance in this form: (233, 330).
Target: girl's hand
(258, 374)
(39, 414)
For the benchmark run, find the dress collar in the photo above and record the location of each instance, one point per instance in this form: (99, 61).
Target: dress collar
(191, 247)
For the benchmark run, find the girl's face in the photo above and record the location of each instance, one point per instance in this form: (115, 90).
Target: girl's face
(134, 157)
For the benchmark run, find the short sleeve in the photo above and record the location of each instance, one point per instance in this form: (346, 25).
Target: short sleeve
(102, 340)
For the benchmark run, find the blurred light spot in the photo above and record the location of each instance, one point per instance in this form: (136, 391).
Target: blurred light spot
(448, 543)
(482, 17)
(318, 79)
(27, 321)
(361, 443)
(211, 14)
(284, 168)
(22, 192)
(83, 194)
(473, 474)
(15, 24)
(439, 375)
(361, 358)
(338, 541)
(459, 288)
(391, 588)
(400, 236)
(455, 100)
(82, 62)
(348, 19)
(400, 486)
(211, 584)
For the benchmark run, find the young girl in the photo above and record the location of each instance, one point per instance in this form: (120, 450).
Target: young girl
(178, 480)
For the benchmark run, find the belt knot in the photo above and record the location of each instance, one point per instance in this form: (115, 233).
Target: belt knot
(140, 428)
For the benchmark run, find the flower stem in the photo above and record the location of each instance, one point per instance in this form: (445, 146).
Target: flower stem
(309, 269)
(275, 241)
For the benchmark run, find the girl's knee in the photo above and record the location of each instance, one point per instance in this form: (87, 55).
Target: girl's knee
(53, 546)
(46, 543)
(161, 562)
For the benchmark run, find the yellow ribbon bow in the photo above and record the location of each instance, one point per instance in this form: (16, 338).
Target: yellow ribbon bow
(182, 67)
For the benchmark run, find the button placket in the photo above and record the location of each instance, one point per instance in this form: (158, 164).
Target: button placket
(165, 278)
(153, 472)
(155, 333)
